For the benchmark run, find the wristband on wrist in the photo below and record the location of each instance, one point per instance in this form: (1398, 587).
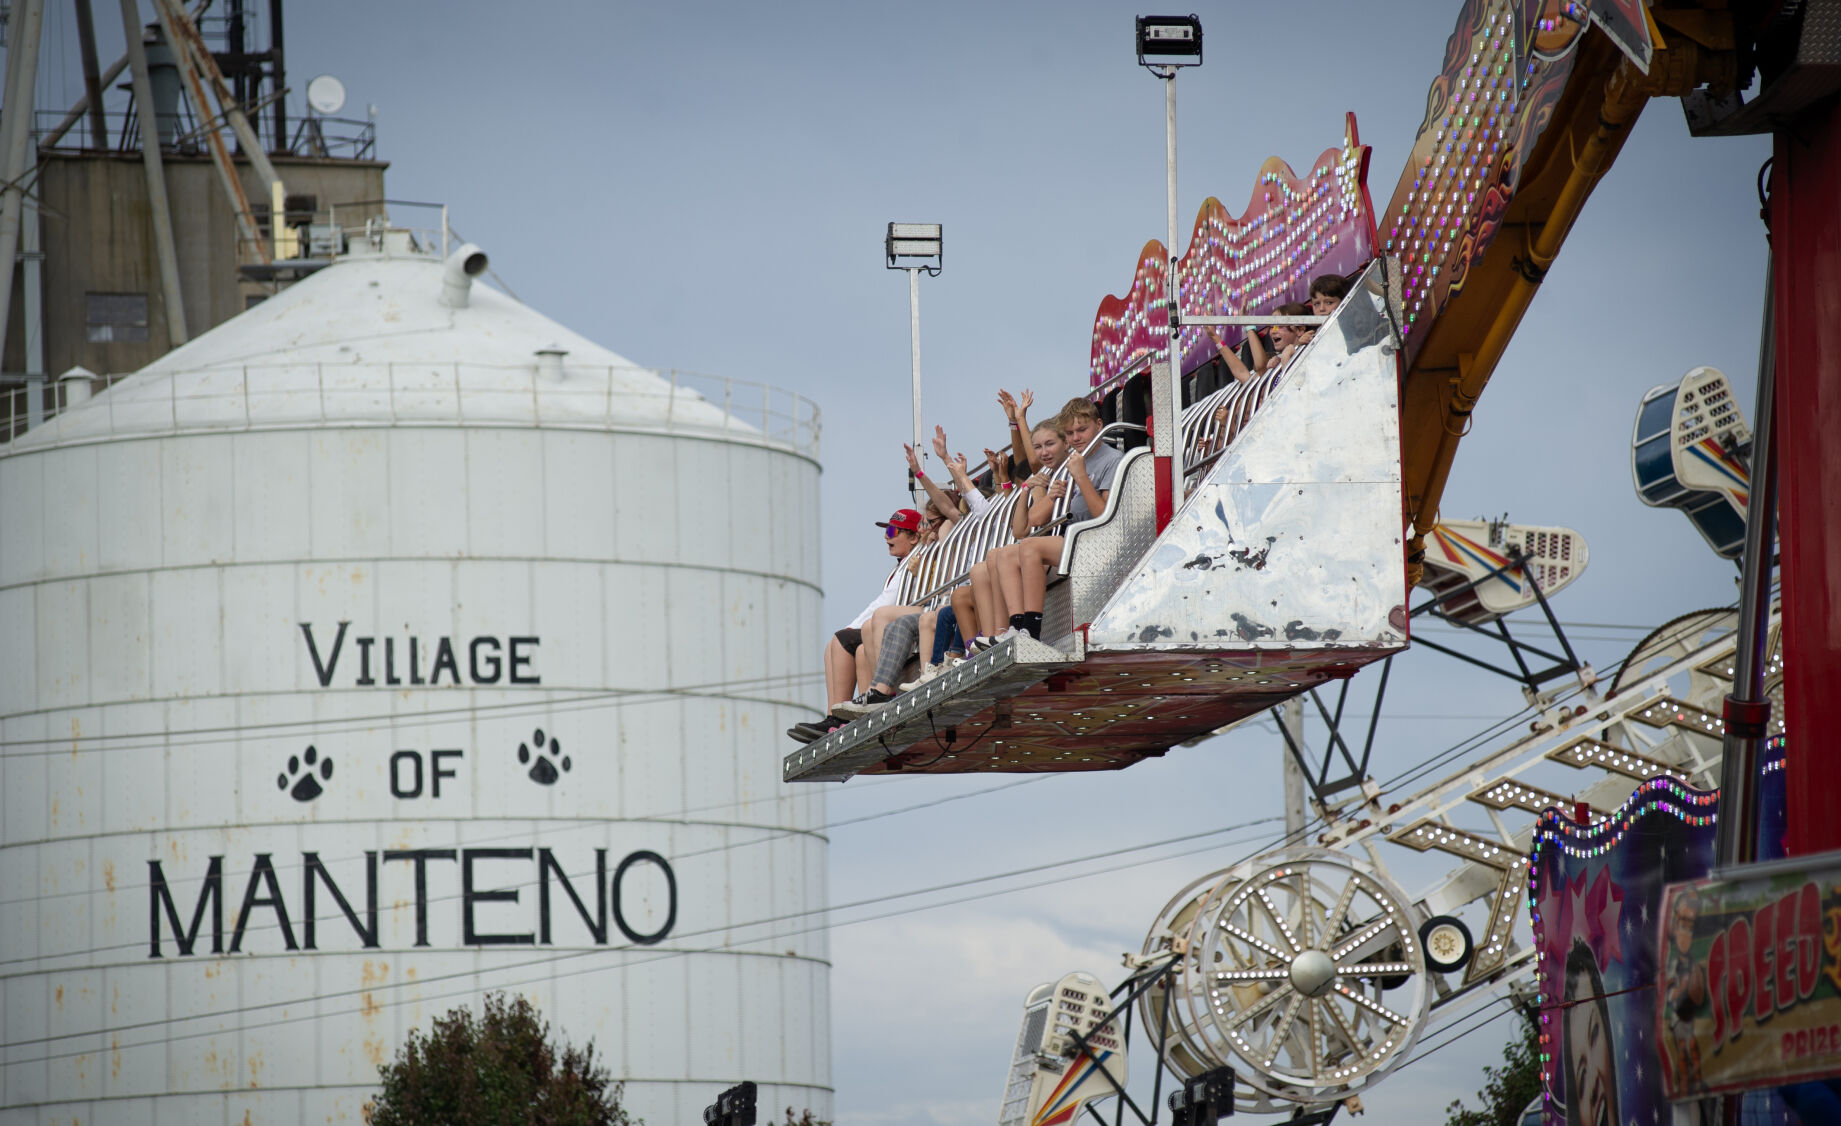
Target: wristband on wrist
(920, 473)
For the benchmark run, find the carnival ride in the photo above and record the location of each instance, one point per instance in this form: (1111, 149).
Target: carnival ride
(1239, 601)
(1308, 971)
(1690, 450)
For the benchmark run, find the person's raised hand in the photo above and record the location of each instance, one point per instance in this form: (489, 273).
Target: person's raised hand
(957, 463)
(939, 442)
(913, 462)
(996, 461)
(1026, 400)
(1006, 401)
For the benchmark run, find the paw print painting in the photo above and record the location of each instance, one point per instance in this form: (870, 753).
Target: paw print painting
(301, 780)
(545, 758)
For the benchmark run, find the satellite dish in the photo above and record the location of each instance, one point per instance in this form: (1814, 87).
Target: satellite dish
(326, 94)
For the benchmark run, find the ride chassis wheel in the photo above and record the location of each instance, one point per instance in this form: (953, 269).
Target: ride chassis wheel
(1292, 964)
(1191, 1046)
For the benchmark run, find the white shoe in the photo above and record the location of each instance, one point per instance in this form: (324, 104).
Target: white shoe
(979, 645)
(861, 706)
(927, 673)
(857, 705)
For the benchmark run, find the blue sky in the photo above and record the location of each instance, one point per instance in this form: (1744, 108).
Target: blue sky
(705, 186)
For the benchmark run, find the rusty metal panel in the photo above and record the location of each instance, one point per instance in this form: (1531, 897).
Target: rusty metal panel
(1293, 542)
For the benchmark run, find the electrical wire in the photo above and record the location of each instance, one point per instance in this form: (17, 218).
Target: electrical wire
(1456, 748)
(530, 829)
(1392, 784)
(769, 834)
(315, 725)
(1454, 1037)
(370, 1003)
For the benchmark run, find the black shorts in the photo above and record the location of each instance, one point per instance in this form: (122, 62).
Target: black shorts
(850, 639)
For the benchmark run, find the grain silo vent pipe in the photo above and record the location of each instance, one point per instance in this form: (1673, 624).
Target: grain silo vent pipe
(457, 275)
(77, 386)
(550, 362)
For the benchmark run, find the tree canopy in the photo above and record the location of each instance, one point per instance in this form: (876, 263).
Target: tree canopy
(499, 1068)
(1507, 1090)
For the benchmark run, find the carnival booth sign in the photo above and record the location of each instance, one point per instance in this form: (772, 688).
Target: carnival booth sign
(1751, 978)
(1594, 894)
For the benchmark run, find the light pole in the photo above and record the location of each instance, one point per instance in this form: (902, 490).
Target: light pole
(1166, 44)
(915, 247)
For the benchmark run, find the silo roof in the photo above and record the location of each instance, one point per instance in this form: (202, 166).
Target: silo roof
(368, 340)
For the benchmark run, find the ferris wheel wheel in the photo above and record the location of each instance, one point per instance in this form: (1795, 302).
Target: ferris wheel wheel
(1305, 974)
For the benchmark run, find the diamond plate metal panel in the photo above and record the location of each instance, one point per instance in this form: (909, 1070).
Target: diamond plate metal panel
(1100, 553)
(930, 710)
(1293, 543)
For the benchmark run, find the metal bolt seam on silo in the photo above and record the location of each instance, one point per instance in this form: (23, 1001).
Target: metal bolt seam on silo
(360, 659)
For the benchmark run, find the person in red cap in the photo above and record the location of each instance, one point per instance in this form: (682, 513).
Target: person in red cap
(847, 659)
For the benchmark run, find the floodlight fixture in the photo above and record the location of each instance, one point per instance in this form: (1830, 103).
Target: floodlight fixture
(1166, 44)
(916, 248)
(908, 241)
(1170, 41)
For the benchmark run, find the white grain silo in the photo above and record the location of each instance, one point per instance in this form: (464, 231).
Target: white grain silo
(388, 644)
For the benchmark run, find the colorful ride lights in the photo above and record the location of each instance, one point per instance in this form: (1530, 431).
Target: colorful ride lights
(1432, 224)
(1169, 41)
(1239, 264)
(1664, 795)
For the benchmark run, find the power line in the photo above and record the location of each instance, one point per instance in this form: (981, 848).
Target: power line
(769, 834)
(552, 959)
(675, 818)
(1419, 770)
(227, 733)
(1455, 1036)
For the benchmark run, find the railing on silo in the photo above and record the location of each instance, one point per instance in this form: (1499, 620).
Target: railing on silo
(272, 396)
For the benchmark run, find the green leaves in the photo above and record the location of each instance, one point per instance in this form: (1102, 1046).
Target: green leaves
(499, 1068)
(1508, 1089)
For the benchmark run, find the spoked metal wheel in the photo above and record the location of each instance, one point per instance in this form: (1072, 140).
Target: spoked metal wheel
(1673, 640)
(1312, 976)
(1190, 1045)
